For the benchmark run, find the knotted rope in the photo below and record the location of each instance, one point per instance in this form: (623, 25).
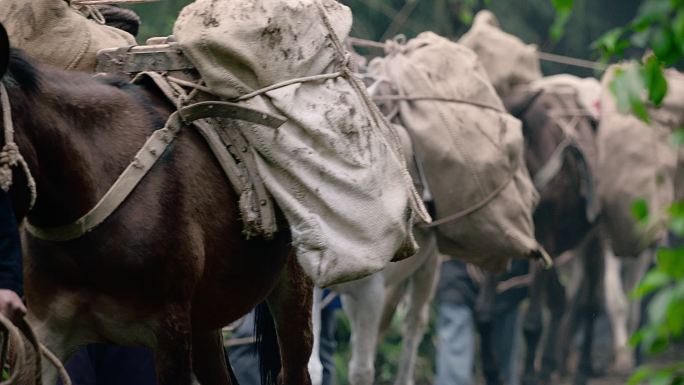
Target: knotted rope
(17, 340)
(10, 156)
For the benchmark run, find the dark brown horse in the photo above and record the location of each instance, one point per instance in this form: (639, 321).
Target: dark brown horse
(559, 151)
(170, 267)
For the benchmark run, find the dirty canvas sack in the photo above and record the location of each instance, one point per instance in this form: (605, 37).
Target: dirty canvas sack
(637, 161)
(470, 148)
(335, 168)
(507, 59)
(54, 33)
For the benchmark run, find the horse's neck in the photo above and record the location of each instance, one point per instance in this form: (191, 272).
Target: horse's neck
(81, 136)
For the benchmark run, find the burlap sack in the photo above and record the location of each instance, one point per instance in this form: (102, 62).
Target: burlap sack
(472, 151)
(637, 161)
(587, 91)
(507, 60)
(337, 175)
(53, 33)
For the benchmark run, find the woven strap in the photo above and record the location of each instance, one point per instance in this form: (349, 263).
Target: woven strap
(145, 159)
(232, 151)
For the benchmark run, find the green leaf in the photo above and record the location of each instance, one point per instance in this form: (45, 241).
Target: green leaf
(628, 88)
(637, 338)
(609, 42)
(558, 27)
(652, 281)
(677, 208)
(466, 16)
(677, 225)
(678, 28)
(641, 39)
(640, 376)
(675, 317)
(640, 210)
(657, 346)
(661, 378)
(657, 308)
(664, 45)
(655, 81)
(671, 262)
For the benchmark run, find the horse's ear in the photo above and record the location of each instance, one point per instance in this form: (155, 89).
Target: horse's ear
(4, 50)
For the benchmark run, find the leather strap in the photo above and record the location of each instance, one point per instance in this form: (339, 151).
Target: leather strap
(231, 150)
(145, 159)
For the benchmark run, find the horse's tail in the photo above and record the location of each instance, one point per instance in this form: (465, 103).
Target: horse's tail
(266, 345)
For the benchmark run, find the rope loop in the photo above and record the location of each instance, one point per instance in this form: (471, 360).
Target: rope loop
(9, 155)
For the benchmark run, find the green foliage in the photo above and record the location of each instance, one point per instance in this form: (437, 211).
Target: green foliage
(563, 12)
(638, 86)
(658, 27)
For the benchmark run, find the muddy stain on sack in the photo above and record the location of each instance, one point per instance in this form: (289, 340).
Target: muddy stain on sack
(272, 34)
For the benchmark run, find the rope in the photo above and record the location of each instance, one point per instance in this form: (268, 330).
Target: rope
(194, 86)
(16, 341)
(286, 83)
(472, 208)
(437, 99)
(545, 56)
(19, 336)
(61, 370)
(9, 155)
(571, 61)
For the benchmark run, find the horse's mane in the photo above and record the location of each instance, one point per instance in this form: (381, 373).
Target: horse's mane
(21, 72)
(24, 74)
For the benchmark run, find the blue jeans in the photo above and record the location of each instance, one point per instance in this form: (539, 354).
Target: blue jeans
(506, 343)
(456, 347)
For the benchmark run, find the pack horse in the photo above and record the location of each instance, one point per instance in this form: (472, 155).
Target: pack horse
(170, 266)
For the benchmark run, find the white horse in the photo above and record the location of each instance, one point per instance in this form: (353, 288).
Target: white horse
(369, 304)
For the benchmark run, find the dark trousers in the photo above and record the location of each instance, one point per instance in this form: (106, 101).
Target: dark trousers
(103, 364)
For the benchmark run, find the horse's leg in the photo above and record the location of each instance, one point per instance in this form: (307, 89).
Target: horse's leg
(532, 326)
(60, 342)
(617, 308)
(392, 298)
(315, 366)
(555, 302)
(290, 304)
(635, 271)
(360, 303)
(593, 270)
(208, 358)
(484, 310)
(573, 317)
(173, 350)
(422, 289)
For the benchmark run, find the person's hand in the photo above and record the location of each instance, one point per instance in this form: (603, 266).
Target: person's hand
(11, 306)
